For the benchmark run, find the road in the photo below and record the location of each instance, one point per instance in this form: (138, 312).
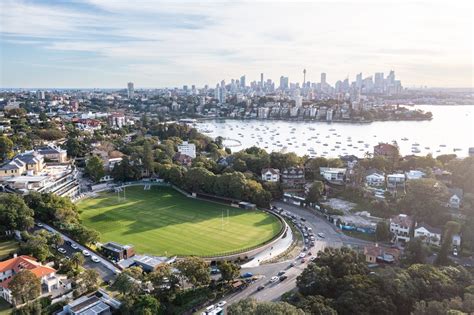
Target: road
(273, 291)
(106, 270)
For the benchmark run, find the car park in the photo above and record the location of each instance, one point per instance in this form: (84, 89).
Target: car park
(95, 259)
(61, 250)
(274, 279)
(86, 253)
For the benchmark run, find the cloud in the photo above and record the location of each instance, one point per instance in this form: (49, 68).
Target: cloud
(207, 41)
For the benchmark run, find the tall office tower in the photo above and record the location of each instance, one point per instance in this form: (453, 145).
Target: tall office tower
(222, 84)
(283, 83)
(40, 94)
(217, 92)
(391, 77)
(378, 79)
(242, 81)
(130, 90)
(359, 80)
(323, 78)
(261, 80)
(304, 77)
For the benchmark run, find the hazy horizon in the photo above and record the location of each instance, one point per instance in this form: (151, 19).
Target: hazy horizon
(157, 44)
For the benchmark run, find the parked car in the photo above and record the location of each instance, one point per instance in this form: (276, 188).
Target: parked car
(291, 265)
(303, 219)
(74, 246)
(247, 275)
(95, 259)
(281, 273)
(61, 250)
(274, 279)
(86, 253)
(312, 258)
(260, 288)
(221, 303)
(321, 235)
(302, 255)
(283, 278)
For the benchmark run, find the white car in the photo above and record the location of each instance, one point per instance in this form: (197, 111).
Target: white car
(312, 258)
(74, 246)
(274, 279)
(321, 235)
(61, 250)
(221, 303)
(95, 259)
(86, 253)
(302, 255)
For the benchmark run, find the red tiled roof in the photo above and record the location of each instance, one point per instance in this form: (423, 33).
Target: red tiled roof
(23, 262)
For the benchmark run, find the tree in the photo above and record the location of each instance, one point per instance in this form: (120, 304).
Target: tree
(95, 168)
(382, 232)
(450, 229)
(195, 270)
(415, 252)
(165, 282)
(315, 192)
(251, 306)
(37, 246)
(125, 284)
(147, 158)
(84, 235)
(146, 305)
(6, 148)
(229, 270)
(77, 259)
(88, 280)
(25, 286)
(14, 213)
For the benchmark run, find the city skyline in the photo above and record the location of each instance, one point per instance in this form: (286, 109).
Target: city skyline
(105, 44)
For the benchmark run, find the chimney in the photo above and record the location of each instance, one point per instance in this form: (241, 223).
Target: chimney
(14, 255)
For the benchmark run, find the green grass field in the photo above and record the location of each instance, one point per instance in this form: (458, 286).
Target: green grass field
(161, 221)
(7, 248)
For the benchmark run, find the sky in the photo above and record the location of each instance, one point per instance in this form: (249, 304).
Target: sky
(156, 44)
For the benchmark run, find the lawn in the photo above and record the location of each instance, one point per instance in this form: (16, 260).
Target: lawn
(161, 221)
(7, 247)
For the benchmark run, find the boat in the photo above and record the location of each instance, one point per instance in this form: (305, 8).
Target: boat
(415, 150)
(415, 144)
(442, 145)
(404, 138)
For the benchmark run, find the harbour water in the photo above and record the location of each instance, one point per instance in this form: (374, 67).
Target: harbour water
(450, 131)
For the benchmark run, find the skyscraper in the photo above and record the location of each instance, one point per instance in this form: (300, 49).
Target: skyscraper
(323, 78)
(242, 81)
(304, 77)
(261, 80)
(283, 83)
(130, 90)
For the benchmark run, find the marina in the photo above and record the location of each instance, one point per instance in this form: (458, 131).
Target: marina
(336, 139)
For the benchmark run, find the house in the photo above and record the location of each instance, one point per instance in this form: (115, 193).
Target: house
(429, 234)
(443, 176)
(187, 148)
(270, 175)
(456, 240)
(118, 251)
(378, 254)
(293, 177)
(98, 303)
(29, 162)
(350, 160)
(375, 180)
(388, 151)
(414, 174)
(116, 120)
(182, 159)
(400, 226)
(395, 181)
(9, 268)
(455, 199)
(333, 175)
(151, 263)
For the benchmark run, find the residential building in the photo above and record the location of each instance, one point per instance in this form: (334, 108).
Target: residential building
(429, 234)
(293, 177)
(414, 174)
(130, 90)
(455, 198)
(378, 254)
(116, 120)
(9, 268)
(98, 303)
(187, 148)
(333, 175)
(396, 181)
(183, 159)
(29, 162)
(118, 251)
(388, 151)
(151, 263)
(375, 180)
(270, 175)
(400, 226)
(456, 240)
